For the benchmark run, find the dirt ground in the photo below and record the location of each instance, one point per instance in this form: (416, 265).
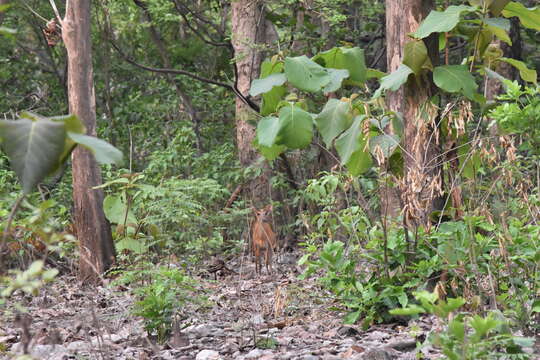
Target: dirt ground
(272, 316)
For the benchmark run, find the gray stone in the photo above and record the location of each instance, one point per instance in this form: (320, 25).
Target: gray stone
(208, 355)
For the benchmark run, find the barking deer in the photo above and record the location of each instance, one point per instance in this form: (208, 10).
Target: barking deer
(263, 238)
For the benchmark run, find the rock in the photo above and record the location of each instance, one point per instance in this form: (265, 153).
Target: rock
(50, 352)
(208, 355)
(377, 354)
(347, 331)
(77, 346)
(254, 354)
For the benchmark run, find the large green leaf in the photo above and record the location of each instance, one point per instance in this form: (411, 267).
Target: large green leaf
(529, 18)
(336, 78)
(272, 152)
(305, 74)
(525, 73)
(333, 119)
(104, 152)
(352, 148)
(499, 27)
(33, 147)
(260, 86)
(394, 80)
(351, 59)
(267, 130)
(271, 99)
(387, 143)
(415, 55)
(494, 6)
(296, 130)
(441, 21)
(115, 208)
(455, 78)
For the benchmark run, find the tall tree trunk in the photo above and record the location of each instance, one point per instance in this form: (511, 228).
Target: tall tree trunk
(249, 29)
(421, 184)
(93, 230)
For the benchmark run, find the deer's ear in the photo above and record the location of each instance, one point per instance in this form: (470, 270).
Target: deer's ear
(253, 210)
(269, 207)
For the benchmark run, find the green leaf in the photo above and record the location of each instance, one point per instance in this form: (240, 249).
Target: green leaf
(497, 6)
(394, 80)
(272, 152)
(470, 163)
(33, 147)
(408, 311)
(306, 74)
(333, 120)
(352, 149)
(455, 78)
(115, 210)
(267, 130)
(529, 18)
(457, 328)
(351, 59)
(104, 152)
(386, 142)
(260, 86)
(73, 124)
(352, 317)
(415, 55)
(499, 33)
(441, 21)
(336, 78)
(271, 99)
(296, 130)
(374, 74)
(525, 73)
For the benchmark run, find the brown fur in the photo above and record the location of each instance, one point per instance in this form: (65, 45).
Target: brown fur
(263, 238)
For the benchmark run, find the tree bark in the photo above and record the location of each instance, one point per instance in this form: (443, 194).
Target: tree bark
(249, 29)
(93, 230)
(421, 184)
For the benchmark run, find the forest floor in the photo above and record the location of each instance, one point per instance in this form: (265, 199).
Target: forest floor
(267, 317)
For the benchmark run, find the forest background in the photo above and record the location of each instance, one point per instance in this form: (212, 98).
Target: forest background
(398, 145)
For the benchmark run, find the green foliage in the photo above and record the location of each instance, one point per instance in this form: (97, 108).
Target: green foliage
(28, 281)
(469, 337)
(455, 78)
(162, 294)
(529, 18)
(520, 114)
(37, 146)
(334, 118)
(352, 149)
(441, 21)
(394, 80)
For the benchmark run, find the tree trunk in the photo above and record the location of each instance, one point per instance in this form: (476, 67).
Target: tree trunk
(421, 184)
(93, 230)
(249, 29)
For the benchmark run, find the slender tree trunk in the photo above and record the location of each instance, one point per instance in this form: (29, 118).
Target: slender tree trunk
(421, 185)
(248, 29)
(93, 230)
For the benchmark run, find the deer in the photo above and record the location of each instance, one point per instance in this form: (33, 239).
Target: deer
(263, 238)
